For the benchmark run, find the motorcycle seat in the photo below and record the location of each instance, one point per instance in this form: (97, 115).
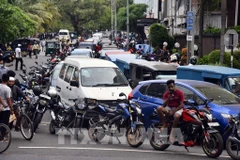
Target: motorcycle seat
(110, 110)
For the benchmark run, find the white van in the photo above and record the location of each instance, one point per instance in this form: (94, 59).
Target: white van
(91, 78)
(63, 34)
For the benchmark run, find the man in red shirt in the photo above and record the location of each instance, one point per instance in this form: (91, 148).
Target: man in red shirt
(172, 106)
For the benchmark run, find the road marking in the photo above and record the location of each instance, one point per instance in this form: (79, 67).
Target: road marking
(45, 122)
(116, 149)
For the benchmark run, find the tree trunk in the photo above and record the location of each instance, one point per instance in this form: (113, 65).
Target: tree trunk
(223, 28)
(201, 26)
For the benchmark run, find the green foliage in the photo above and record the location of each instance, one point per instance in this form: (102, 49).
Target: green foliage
(237, 28)
(14, 23)
(203, 60)
(212, 30)
(159, 34)
(135, 12)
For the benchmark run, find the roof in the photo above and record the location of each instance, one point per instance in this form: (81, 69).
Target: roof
(113, 57)
(212, 69)
(127, 58)
(82, 50)
(183, 82)
(158, 66)
(89, 62)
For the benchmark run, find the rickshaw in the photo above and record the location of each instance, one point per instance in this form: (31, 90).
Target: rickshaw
(51, 47)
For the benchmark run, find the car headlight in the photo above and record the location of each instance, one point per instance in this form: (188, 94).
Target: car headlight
(227, 116)
(209, 116)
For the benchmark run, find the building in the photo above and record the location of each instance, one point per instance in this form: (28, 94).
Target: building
(153, 7)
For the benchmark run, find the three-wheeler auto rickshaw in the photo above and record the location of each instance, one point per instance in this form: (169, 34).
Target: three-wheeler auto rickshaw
(51, 47)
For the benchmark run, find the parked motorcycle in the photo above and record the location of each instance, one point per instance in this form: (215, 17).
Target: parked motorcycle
(195, 127)
(233, 141)
(117, 122)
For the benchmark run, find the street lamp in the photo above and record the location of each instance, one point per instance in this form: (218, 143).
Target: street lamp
(165, 44)
(177, 45)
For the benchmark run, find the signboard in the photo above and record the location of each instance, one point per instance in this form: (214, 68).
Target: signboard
(147, 31)
(231, 38)
(189, 38)
(190, 20)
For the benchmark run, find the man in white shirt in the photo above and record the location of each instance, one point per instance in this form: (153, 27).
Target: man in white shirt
(18, 57)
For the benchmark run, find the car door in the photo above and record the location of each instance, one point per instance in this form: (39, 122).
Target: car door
(61, 83)
(151, 98)
(75, 92)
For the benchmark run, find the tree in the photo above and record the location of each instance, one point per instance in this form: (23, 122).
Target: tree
(201, 26)
(14, 23)
(158, 35)
(135, 12)
(223, 26)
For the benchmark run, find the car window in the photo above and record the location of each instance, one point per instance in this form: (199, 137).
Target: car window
(62, 72)
(68, 74)
(143, 89)
(156, 90)
(190, 95)
(75, 76)
(138, 73)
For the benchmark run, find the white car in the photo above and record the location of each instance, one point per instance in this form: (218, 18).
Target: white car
(91, 78)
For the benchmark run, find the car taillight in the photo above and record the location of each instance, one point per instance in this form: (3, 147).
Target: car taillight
(130, 96)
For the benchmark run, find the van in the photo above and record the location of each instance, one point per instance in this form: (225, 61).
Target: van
(63, 34)
(91, 78)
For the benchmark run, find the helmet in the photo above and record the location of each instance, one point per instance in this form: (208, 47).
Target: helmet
(52, 92)
(19, 45)
(37, 90)
(173, 58)
(193, 60)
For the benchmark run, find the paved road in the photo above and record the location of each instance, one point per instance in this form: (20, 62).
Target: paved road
(45, 146)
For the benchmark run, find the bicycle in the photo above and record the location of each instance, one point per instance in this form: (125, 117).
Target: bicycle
(26, 125)
(5, 137)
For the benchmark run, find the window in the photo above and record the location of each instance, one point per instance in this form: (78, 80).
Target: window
(75, 76)
(62, 72)
(190, 95)
(68, 74)
(143, 88)
(156, 90)
(147, 75)
(138, 73)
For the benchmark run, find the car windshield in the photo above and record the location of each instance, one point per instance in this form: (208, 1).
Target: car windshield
(102, 76)
(233, 84)
(220, 95)
(80, 53)
(63, 33)
(57, 70)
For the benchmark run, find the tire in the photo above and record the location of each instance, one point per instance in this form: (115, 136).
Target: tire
(140, 130)
(152, 138)
(25, 121)
(94, 133)
(230, 150)
(37, 121)
(52, 127)
(2, 148)
(215, 141)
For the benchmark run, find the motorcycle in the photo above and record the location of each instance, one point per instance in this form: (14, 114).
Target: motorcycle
(117, 122)
(195, 129)
(233, 141)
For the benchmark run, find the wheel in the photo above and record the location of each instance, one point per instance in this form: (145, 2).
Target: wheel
(214, 147)
(233, 149)
(5, 137)
(52, 127)
(137, 138)
(95, 134)
(156, 141)
(36, 121)
(26, 127)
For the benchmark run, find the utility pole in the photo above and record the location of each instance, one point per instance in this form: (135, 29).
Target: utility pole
(128, 25)
(112, 21)
(115, 12)
(190, 36)
(236, 13)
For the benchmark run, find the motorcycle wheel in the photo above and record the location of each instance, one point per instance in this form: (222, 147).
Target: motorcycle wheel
(36, 121)
(215, 143)
(93, 133)
(231, 147)
(137, 138)
(153, 137)
(26, 127)
(52, 127)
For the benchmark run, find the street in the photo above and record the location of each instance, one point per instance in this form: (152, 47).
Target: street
(45, 146)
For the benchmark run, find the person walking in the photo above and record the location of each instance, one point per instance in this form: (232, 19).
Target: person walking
(35, 49)
(18, 57)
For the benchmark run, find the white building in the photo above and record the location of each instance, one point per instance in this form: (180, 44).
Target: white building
(152, 10)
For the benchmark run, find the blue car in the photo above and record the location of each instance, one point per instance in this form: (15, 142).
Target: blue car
(149, 95)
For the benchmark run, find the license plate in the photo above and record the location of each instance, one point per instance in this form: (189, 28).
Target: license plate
(213, 124)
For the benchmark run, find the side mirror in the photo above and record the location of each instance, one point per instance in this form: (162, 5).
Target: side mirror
(74, 83)
(36, 63)
(131, 83)
(122, 94)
